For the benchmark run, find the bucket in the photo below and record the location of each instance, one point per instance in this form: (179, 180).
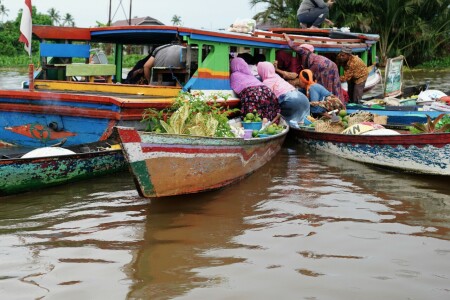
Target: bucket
(252, 125)
(248, 133)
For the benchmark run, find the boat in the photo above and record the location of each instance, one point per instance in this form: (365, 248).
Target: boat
(426, 153)
(169, 164)
(405, 111)
(71, 98)
(50, 166)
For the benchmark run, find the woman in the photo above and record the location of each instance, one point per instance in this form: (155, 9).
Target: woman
(252, 92)
(294, 105)
(325, 71)
(321, 100)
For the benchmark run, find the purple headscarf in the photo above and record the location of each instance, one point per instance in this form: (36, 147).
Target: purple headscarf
(241, 76)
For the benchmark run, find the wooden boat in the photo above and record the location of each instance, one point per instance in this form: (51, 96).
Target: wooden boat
(168, 165)
(82, 102)
(50, 166)
(404, 114)
(414, 153)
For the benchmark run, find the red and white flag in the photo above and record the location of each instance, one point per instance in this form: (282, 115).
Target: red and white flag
(26, 26)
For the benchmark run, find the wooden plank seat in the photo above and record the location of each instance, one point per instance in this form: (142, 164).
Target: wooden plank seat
(159, 72)
(91, 71)
(54, 58)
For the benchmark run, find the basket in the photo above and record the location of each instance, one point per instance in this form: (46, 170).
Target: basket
(359, 117)
(252, 125)
(382, 120)
(328, 127)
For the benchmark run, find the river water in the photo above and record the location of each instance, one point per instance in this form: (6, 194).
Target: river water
(305, 226)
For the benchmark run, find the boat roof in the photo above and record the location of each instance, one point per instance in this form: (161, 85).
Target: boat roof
(142, 35)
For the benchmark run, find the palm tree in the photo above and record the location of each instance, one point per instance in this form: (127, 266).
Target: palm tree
(176, 20)
(3, 11)
(68, 19)
(281, 12)
(414, 28)
(54, 16)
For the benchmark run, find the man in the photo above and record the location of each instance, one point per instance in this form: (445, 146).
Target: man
(355, 73)
(164, 56)
(312, 13)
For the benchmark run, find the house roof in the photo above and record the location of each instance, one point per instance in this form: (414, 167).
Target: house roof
(138, 21)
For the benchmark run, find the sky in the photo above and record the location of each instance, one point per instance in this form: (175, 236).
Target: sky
(209, 14)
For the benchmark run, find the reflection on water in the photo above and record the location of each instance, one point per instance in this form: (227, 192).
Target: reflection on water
(306, 226)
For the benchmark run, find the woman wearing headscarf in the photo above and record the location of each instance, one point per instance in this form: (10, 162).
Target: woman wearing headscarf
(294, 105)
(253, 93)
(321, 100)
(325, 71)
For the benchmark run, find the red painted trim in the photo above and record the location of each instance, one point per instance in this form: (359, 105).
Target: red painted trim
(128, 135)
(438, 140)
(60, 110)
(108, 130)
(62, 33)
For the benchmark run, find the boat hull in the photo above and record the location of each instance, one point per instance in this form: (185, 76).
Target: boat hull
(421, 154)
(169, 165)
(19, 175)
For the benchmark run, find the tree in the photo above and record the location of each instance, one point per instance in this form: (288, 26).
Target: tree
(54, 16)
(281, 12)
(3, 11)
(176, 20)
(417, 29)
(68, 20)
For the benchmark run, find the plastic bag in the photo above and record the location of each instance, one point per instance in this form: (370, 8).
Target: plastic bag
(243, 26)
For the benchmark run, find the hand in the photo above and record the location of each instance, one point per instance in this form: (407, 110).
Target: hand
(286, 37)
(329, 22)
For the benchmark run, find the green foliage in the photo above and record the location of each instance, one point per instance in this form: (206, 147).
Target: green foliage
(440, 124)
(192, 113)
(280, 12)
(417, 29)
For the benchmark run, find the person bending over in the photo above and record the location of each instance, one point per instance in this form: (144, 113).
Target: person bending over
(164, 56)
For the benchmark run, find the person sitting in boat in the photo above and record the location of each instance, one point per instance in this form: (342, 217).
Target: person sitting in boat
(136, 75)
(253, 93)
(294, 105)
(355, 73)
(285, 61)
(312, 13)
(164, 56)
(320, 99)
(324, 70)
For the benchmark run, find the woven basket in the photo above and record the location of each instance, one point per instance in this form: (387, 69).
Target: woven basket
(359, 116)
(327, 126)
(382, 120)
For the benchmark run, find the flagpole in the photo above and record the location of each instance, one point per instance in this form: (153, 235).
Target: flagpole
(26, 33)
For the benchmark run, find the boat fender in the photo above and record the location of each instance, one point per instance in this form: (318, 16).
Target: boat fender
(360, 128)
(47, 151)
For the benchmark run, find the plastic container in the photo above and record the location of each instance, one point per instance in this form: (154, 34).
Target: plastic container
(248, 133)
(252, 125)
(408, 102)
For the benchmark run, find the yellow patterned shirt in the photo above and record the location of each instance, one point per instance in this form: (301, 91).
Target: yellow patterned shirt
(355, 70)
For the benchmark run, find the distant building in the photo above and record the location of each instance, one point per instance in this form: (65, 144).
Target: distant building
(145, 21)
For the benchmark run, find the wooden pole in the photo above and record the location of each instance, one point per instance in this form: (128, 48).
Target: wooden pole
(131, 4)
(109, 16)
(31, 77)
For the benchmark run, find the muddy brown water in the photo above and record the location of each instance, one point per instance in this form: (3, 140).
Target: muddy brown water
(306, 226)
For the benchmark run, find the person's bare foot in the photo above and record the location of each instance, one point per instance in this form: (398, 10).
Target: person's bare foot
(314, 27)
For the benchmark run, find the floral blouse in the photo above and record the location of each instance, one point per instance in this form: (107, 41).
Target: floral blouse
(355, 70)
